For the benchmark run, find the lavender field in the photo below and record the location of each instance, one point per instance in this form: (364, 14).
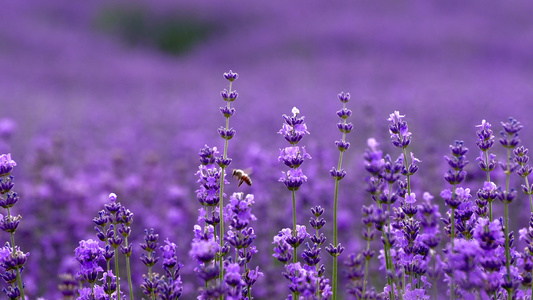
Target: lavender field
(387, 144)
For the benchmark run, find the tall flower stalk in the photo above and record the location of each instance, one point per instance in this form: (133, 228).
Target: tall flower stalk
(509, 141)
(227, 134)
(293, 130)
(150, 245)
(401, 138)
(455, 176)
(338, 173)
(205, 242)
(12, 259)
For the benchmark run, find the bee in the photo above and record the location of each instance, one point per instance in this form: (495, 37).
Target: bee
(243, 176)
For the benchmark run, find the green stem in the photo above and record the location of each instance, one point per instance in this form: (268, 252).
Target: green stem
(294, 233)
(335, 237)
(152, 294)
(335, 234)
(367, 261)
(246, 271)
(128, 271)
(530, 198)
(407, 169)
(389, 279)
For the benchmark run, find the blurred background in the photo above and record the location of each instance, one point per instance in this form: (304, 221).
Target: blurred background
(99, 97)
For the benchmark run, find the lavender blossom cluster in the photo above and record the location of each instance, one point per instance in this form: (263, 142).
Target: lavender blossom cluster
(241, 245)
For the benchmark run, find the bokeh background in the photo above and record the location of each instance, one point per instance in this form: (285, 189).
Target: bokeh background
(99, 97)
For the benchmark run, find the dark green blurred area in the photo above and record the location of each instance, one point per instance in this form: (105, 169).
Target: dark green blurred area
(173, 33)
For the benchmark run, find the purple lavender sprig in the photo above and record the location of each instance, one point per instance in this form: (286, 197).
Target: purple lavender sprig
(522, 159)
(304, 282)
(429, 217)
(104, 234)
(491, 240)
(338, 173)
(227, 134)
(170, 286)
(509, 141)
(125, 218)
(486, 159)
(293, 130)
(240, 236)
(401, 138)
(457, 196)
(204, 249)
(89, 254)
(10, 223)
(311, 255)
(357, 278)
(120, 219)
(455, 176)
(150, 245)
(286, 242)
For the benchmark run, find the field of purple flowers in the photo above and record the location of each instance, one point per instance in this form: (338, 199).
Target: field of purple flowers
(105, 108)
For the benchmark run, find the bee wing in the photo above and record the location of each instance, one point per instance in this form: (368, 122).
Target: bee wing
(248, 171)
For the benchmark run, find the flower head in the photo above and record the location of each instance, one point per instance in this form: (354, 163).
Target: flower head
(6, 164)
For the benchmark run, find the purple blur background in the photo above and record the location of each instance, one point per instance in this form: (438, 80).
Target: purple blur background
(100, 97)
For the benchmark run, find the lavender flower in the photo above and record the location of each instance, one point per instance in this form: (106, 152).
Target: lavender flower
(338, 173)
(399, 132)
(305, 283)
(89, 254)
(227, 134)
(204, 249)
(9, 223)
(521, 159)
(95, 293)
(293, 129)
(485, 142)
(234, 281)
(241, 236)
(170, 285)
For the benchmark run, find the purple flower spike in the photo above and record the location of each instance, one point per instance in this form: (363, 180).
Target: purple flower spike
(294, 127)
(400, 135)
(485, 136)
